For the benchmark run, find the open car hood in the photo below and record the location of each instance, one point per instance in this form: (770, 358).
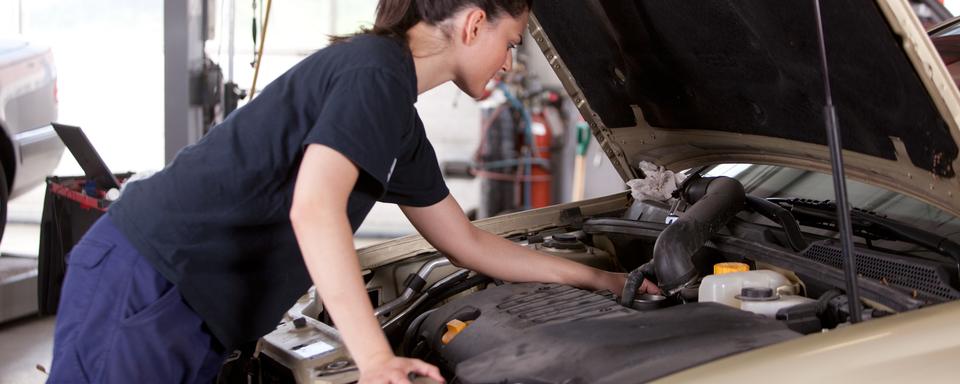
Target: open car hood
(697, 82)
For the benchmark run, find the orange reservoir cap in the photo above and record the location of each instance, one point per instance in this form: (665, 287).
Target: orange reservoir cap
(722, 268)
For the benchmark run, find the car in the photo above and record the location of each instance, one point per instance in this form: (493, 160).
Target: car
(733, 96)
(29, 147)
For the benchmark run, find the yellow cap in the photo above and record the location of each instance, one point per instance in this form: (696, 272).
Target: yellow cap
(454, 327)
(721, 268)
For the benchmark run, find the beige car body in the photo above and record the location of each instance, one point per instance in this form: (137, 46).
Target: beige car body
(918, 346)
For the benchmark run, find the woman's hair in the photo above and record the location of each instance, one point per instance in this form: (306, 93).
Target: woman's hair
(396, 17)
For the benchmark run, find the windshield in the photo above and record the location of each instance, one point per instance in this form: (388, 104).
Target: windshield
(776, 181)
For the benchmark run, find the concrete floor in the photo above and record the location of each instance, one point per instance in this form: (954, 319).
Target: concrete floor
(26, 343)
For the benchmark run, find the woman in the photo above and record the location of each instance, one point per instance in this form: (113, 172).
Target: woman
(210, 252)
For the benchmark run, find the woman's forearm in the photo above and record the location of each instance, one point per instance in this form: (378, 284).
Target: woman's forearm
(446, 227)
(328, 250)
(320, 223)
(502, 259)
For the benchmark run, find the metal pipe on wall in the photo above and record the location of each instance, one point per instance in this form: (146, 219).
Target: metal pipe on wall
(183, 57)
(231, 37)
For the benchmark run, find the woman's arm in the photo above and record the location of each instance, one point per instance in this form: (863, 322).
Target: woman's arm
(322, 228)
(446, 227)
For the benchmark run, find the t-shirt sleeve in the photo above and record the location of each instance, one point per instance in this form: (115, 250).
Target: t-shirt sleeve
(417, 180)
(365, 113)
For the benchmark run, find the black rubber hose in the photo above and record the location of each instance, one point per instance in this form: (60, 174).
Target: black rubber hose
(409, 337)
(714, 202)
(632, 228)
(781, 216)
(437, 296)
(829, 317)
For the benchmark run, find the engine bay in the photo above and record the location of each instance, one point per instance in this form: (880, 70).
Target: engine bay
(742, 284)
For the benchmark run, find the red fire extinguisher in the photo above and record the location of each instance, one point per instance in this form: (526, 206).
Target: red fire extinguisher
(540, 173)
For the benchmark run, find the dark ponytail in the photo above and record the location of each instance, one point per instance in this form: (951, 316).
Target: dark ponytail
(396, 17)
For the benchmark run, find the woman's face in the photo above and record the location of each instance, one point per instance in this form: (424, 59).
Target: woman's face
(488, 49)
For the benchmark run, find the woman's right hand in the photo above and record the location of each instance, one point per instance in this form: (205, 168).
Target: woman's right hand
(397, 370)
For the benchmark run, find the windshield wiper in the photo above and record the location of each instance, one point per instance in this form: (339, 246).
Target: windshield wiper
(868, 225)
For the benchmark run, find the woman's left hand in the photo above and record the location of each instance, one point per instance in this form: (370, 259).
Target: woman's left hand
(615, 282)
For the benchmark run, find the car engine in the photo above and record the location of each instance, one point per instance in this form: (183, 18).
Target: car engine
(730, 283)
(541, 333)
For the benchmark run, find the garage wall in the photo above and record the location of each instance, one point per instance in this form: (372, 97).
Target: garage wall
(9, 17)
(109, 57)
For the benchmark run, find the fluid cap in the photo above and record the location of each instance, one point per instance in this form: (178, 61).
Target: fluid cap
(757, 294)
(565, 241)
(722, 268)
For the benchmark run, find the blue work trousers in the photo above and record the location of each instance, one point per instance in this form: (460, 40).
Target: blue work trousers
(120, 321)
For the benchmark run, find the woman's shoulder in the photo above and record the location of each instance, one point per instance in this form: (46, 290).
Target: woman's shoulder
(367, 50)
(370, 54)
(361, 58)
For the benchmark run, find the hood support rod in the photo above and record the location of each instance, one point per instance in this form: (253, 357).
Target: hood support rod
(839, 180)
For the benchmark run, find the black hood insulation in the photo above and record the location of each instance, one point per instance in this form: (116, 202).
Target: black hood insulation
(751, 67)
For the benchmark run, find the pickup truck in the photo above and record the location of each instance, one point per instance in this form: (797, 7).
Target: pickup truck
(29, 147)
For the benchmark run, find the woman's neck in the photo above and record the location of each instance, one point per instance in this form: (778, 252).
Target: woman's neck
(431, 56)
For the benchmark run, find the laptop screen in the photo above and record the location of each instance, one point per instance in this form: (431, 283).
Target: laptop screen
(93, 166)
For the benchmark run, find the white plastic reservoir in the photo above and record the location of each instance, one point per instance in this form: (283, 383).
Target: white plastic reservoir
(769, 308)
(724, 288)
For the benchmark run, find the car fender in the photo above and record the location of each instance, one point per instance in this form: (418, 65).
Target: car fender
(917, 346)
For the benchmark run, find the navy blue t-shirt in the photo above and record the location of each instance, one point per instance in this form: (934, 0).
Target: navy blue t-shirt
(215, 221)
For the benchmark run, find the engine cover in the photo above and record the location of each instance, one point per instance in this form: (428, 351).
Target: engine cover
(545, 333)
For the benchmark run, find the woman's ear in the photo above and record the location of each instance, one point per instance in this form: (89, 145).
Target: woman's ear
(476, 19)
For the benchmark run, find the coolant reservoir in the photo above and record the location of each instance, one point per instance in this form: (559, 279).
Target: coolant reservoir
(725, 288)
(766, 302)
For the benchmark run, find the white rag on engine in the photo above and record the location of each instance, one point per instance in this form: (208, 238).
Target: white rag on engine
(658, 185)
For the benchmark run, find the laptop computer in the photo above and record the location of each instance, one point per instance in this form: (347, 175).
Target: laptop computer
(91, 162)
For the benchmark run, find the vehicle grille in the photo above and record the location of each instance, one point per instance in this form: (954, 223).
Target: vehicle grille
(929, 279)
